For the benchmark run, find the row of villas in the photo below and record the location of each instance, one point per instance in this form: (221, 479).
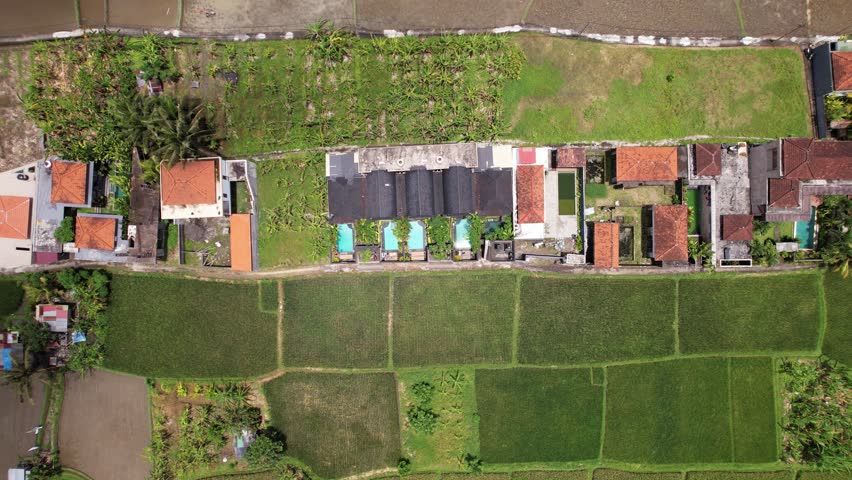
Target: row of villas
(41, 199)
(586, 205)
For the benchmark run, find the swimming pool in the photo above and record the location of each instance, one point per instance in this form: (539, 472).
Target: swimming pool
(345, 238)
(416, 239)
(461, 243)
(567, 189)
(805, 231)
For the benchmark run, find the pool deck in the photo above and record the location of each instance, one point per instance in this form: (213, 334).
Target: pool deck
(556, 226)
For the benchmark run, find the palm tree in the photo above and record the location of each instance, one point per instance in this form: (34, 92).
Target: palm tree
(20, 376)
(180, 130)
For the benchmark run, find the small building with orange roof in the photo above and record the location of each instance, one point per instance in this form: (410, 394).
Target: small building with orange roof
(636, 166)
(193, 188)
(670, 230)
(15, 217)
(242, 255)
(94, 232)
(71, 183)
(605, 245)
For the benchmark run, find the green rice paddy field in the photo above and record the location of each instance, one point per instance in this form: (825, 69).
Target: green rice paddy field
(533, 372)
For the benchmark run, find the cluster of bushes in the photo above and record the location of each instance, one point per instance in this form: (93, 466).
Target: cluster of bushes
(420, 415)
(440, 237)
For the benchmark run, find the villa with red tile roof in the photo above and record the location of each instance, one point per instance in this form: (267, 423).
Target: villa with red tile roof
(193, 189)
(670, 227)
(71, 183)
(708, 160)
(635, 166)
(841, 66)
(95, 232)
(15, 217)
(605, 245)
(737, 228)
(830, 75)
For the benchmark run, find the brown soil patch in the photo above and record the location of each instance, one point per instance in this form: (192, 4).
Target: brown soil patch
(16, 419)
(105, 425)
(19, 136)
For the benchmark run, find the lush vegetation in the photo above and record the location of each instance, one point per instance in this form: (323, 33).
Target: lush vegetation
(538, 415)
(753, 410)
(336, 322)
(340, 424)
(835, 232)
(837, 343)
(155, 331)
(440, 237)
(777, 475)
(627, 93)
(269, 296)
(735, 314)
(11, 295)
(469, 321)
(816, 421)
(570, 321)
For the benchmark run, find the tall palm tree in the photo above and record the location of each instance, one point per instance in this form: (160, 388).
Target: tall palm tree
(20, 376)
(181, 131)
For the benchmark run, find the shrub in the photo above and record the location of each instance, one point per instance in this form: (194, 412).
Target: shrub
(267, 450)
(401, 230)
(761, 226)
(366, 232)
(473, 463)
(422, 392)
(505, 231)
(65, 232)
(404, 466)
(475, 230)
(422, 419)
(764, 253)
(440, 238)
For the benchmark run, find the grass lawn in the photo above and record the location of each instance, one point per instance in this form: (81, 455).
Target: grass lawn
(779, 475)
(155, 331)
(269, 296)
(588, 320)
(11, 295)
(455, 404)
(554, 475)
(339, 424)
(805, 475)
(578, 91)
(753, 410)
(538, 415)
(668, 412)
(336, 321)
(776, 231)
(838, 333)
(755, 314)
(453, 319)
(609, 474)
(292, 198)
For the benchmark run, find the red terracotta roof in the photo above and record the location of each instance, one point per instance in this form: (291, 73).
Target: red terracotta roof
(15, 217)
(841, 64)
(783, 192)
(646, 164)
(807, 159)
(97, 233)
(606, 245)
(189, 182)
(670, 233)
(241, 242)
(69, 182)
(530, 187)
(526, 156)
(570, 157)
(737, 227)
(708, 159)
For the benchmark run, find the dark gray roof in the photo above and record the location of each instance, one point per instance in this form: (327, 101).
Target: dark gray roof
(484, 157)
(438, 191)
(458, 191)
(342, 165)
(381, 195)
(419, 198)
(823, 82)
(346, 199)
(494, 192)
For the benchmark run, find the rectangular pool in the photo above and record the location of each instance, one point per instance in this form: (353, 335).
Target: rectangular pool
(567, 193)
(416, 239)
(345, 238)
(461, 242)
(805, 231)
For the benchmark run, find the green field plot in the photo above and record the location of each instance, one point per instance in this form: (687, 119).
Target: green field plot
(471, 476)
(630, 93)
(805, 475)
(336, 321)
(753, 410)
(155, 330)
(454, 402)
(339, 424)
(668, 412)
(453, 319)
(838, 332)
(538, 415)
(551, 475)
(567, 188)
(11, 295)
(269, 296)
(610, 474)
(754, 314)
(565, 321)
(779, 475)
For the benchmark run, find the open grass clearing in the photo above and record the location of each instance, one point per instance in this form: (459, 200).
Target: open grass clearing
(753, 410)
(338, 424)
(454, 403)
(580, 91)
(269, 296)
(589, 320)
(538, 415)
(11, 295)
(336, 321)
(668, 412)
(154, 330)
(837, 343)
(750, 314)
(453, 319)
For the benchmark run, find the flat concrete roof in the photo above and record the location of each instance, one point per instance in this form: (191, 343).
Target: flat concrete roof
(403, 158)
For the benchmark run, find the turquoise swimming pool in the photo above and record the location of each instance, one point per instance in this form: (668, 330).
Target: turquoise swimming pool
(461, 243)
(805, 231)
(416, 239)
(345, 238)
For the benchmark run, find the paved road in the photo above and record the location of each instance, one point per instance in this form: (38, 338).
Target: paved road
(694, 18)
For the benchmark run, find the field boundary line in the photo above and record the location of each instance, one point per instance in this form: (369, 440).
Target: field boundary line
(280, 333)
(516, 320)
(605, 387)
(677, 318)
(822, 305)
(779, 414)
(731, 412)
(390, 321)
